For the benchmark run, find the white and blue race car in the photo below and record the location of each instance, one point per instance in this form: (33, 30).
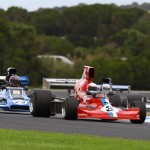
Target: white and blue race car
(15, 98)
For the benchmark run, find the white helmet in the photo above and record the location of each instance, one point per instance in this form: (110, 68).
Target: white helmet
(92, 87)
(106, 87)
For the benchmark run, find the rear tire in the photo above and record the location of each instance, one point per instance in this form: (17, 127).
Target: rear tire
(142, 114)
(135, 97)
(115, 100)
(124, 102)
(40, 103)
(70, 108)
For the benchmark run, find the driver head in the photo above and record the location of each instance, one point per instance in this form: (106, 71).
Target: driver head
(106, 87)
(14, 81)
(92, 87)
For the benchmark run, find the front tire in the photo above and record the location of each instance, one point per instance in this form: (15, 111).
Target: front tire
(70, 108)
(40, 103)
(142, 114)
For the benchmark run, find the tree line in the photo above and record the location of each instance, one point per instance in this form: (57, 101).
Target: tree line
(115, 40)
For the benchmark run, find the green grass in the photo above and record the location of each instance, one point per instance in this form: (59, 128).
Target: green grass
(35, 140)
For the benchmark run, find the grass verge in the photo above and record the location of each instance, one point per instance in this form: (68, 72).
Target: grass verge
(32, 140)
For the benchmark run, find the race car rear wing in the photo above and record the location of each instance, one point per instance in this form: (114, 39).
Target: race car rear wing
(53, 83)
(23, 79)
(2, 79)
(121, 88)
(116, 87)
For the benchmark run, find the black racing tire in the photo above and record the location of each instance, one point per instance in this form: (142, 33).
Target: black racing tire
(136, 97)
(124, 102)
(70, 108)
(40, 103)
(115, 100)
(52, 114)
(142, 114)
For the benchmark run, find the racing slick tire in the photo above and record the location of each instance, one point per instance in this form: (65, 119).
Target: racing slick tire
(69, 109)
(136, 97)
(40, 103)
(142, 114)
(115, 100)
(124, 102)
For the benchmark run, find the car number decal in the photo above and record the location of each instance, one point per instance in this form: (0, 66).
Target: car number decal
(20, 102)
(108, 108)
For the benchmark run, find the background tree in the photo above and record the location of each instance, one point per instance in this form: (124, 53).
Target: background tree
(16, 14)
(53, 45)
(46, 21)
(115, 40)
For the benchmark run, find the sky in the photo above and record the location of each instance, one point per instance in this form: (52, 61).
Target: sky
(32, 5)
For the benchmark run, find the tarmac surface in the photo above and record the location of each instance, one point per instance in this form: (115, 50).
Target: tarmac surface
(118, 129)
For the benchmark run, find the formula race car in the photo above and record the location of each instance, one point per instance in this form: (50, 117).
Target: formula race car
(89, 100)
(14, 98)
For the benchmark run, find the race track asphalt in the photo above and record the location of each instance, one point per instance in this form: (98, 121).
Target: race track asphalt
(118, 129)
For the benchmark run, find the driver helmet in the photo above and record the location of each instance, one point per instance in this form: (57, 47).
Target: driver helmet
(106, 87)
(92, 87)
(11, 70)
(14, 81)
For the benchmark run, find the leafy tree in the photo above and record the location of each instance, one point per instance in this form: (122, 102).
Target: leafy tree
(131, 41)
(141, 70)
(54, 46)
(16, 14)
(99, 21)
(119, 37)
(135, 43)
(46, 21)
(143, 24)
(20, 48)
(97, 35)
(4, 27)
(2, 14)
(113, 68)
(53, 69)
(3, 34)
(81, 52)
(108, 52)
(81, 40)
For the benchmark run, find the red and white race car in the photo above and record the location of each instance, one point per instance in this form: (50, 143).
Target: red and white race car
(89, 100)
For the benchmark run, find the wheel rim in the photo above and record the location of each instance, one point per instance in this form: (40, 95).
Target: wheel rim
(63, 112)
(31, 107)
